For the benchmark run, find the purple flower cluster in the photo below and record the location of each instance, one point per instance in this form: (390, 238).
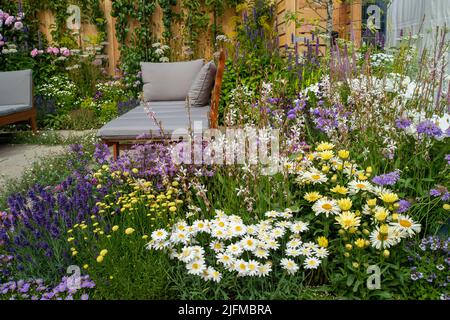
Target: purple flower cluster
(430, 266)
(447, 158)
(404, 206)
(429, 128)
(440, 191)
(37, 290)
(37, 220)
(388, 179)
(328, 119)
(402, 123)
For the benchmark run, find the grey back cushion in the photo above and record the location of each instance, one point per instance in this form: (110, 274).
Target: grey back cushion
(169, 81)
(200, 92)
(16, 88)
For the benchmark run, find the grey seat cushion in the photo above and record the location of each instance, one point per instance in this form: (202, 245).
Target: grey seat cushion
(16, 88)
(11, 109)
(169, 81)
(172, 114)
(200, 92)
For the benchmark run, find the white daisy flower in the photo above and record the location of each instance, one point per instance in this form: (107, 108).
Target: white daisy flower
(356, 186)
(289, 265)
(249, 243)
(272, 244)
(235, 249)
(299, 227)
(241, 267)
(291, 252)
(321, 252)
(196, 267)
(238, 229)
(217, 246)
(179, 237)
(406, 225)
(159, 235)
(271, 214)
(311, 263)
(225, 259)
(252, 230)
(265, 269)
(201, 226)
(306, 251)
(277, 233)
(214, 275)
(261, 253)
(326, 206)
(294, 243)
(382, 241)
(315, 177)
(186, 255)
(253, 268)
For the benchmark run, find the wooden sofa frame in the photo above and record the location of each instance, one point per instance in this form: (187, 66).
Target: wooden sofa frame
(116, 143)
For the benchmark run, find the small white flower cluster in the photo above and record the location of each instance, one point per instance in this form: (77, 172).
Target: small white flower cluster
(239, 248)
(160, 50)
(381, 59)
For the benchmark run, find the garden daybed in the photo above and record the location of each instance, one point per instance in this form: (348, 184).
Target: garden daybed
(16, 98)
(179, 97)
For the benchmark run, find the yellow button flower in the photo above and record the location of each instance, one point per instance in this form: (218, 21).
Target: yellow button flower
(343, 154)
(70, 239)
(360, 243)
(173, 209)
(86, 266)
(324, 146)
(446, 207)
(389, 197)
(386, 253)
(129, 231)
(100, 259)
(115, 228)
(135, 171)
(104, 252)
(372, 202)
(348, 247)
(345, 204)
(312, 196)
(322, 241)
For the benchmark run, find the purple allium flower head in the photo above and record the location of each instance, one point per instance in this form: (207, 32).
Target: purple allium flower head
(429, 128)
(388, 179)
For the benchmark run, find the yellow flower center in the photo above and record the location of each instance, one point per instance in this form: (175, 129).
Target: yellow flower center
(405, 223)
(361, 185)
(316, 177)
(382, 237)
(327, 206)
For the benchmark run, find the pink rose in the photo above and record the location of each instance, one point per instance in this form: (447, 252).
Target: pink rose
(18, 25)
(10, 20)
(65, 52)
(34, 53)
(55, 51)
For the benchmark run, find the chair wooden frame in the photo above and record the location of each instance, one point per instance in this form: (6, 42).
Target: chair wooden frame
(117, 142)
(28, 115)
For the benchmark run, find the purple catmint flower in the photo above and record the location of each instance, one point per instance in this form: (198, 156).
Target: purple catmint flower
(447, 158)
(429, 128)
(402, 123)
(388, 179)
